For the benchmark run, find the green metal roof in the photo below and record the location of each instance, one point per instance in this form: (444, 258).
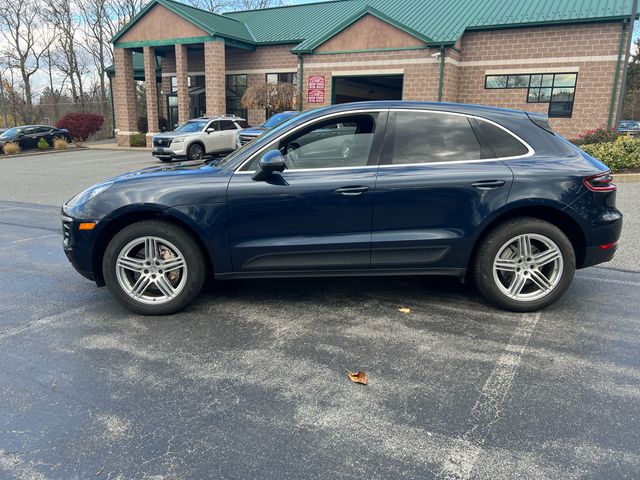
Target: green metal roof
(138, 67)
(213, 24)
(436, 22)
(442, 21)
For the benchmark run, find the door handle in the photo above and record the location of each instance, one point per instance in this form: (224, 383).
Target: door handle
(488, 184)
(352, 191)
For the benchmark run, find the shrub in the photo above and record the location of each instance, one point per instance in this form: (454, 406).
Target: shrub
(60, 143)
(621, 154)
(138, 140)
(143, 124)
(11, 148)
(81, 125)
(597, 135)
(43, 144)
(163, 123)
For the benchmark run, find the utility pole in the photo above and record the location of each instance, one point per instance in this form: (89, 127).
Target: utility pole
(623, 86)
(4, 105)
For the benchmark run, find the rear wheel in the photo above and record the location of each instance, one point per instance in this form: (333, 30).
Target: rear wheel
(524, 265)
(153, 268)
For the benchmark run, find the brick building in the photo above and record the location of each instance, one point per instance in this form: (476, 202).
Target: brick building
(561, 58)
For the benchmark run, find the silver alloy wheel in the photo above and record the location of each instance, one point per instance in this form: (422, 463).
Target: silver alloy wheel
(528, 267)
(151, 270)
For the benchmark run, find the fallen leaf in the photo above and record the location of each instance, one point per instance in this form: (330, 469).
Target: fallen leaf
(404, 310)
(358, 377)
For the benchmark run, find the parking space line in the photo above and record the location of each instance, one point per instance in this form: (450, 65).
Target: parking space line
(34, 238)
(486, 411)
(41, 322)
(609, 280)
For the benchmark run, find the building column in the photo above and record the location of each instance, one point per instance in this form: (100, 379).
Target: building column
(214, 77)
(151, 88)
(182, 81)
(124, 96)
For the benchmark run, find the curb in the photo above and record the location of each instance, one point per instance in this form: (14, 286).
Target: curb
(40, 152)
(117, 148)
(626, 177)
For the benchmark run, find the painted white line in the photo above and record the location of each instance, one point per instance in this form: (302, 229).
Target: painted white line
(486, 411)
(45, 321)
(35, 238)
(609, 280)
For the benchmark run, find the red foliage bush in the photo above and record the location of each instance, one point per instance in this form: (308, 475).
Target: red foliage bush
(81, 125)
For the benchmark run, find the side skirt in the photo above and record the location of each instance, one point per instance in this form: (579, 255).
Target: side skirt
(450, 272)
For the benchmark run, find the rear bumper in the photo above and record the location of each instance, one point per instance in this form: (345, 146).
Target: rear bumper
(596, 255)
(602, 240)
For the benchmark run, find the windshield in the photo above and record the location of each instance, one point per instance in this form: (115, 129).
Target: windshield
(278, 118)
(265, 137)
(628, 125)
(192, 126)
(12, 132)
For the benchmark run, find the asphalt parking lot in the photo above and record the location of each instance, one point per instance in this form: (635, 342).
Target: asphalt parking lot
(250, 382)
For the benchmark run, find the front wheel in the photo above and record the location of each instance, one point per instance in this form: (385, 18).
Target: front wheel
(524, 265)
(196, 152)
(153, 268)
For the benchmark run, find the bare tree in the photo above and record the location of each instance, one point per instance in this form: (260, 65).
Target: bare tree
(56, 85)
(217, 6)
(68, 56)
(253, 4)
(97, 44)
(25, 39)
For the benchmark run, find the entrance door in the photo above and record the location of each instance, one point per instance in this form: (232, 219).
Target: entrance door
(315, 215)
(367, 88)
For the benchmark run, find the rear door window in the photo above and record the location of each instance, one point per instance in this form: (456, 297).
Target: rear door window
(431, 137)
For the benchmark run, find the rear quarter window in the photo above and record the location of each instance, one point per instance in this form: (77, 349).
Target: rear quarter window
(502, 142)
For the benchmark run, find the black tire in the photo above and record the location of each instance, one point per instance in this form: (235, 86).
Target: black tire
(196, 152)
(196, 269)
(165, 159)
(483, 272)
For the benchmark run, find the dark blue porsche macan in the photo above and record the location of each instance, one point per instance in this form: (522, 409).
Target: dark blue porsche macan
(377, 188)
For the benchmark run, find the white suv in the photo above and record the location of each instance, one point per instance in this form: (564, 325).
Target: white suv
(199, 137)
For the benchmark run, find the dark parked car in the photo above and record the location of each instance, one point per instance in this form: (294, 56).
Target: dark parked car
(252, 133)
(481, 193)
(629, 127)
(28, 136)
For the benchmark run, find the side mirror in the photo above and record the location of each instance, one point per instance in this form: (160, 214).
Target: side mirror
(270, 162)
(210, 129)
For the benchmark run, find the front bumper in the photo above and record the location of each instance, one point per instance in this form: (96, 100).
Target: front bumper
(78, 247)
(165, 152)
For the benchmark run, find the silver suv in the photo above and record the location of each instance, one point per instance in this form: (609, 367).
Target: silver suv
(199, 137)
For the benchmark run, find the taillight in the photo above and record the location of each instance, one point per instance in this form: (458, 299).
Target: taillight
(601, 182)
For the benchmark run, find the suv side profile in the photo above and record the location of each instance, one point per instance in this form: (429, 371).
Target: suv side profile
(199, 137)
(480, 193)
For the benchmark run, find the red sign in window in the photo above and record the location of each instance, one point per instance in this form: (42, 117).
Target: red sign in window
(316, 82)
(316, 96)
(315, 93)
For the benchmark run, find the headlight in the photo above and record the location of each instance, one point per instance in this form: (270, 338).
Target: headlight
(178, 140)
(88, 194)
